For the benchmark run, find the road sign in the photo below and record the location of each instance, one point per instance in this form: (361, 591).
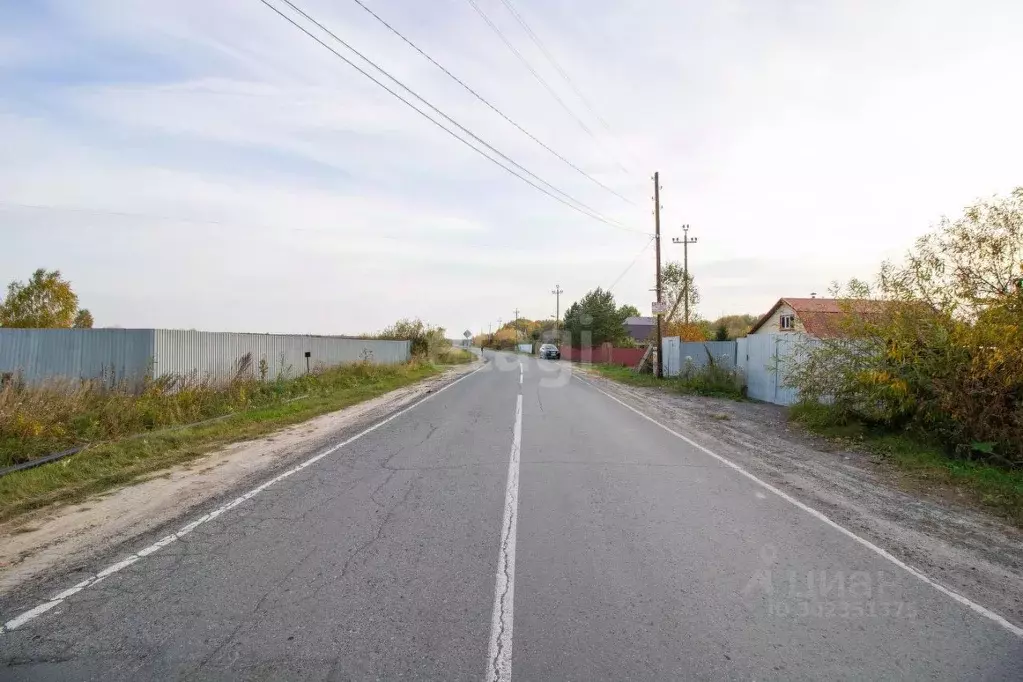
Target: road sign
(467, 334)
(659, 308)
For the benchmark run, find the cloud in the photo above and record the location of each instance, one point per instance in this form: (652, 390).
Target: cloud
(270, 186)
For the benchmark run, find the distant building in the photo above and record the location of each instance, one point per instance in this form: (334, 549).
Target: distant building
(640, 328)
(817, 317)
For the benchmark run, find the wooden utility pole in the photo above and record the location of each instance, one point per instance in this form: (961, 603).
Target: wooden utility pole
(557, 291)
(657, 240)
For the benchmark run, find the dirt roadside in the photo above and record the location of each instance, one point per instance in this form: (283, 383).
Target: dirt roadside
(975, 554)
(56, 537)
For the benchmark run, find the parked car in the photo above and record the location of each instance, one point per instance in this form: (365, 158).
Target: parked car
(549, 351)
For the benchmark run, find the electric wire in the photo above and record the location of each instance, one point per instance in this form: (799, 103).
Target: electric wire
(631, 264)
(487, 103)
(571, 202)
(539, 78)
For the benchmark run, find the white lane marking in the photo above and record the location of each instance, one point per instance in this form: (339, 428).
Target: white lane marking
(23, 618)
(500, 652)
(987, 613)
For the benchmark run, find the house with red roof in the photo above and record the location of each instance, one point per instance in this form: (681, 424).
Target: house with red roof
(818, 317)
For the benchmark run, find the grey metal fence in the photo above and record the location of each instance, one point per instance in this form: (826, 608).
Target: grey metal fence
(38, 354)
(696, 354)
(766, 360)
(221, 354)
(763, 360)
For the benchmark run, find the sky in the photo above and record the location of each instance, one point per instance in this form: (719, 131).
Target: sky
(208, 166)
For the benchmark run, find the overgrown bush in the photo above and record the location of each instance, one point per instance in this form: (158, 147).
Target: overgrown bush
(711, 379)
(937, 344)
(426, 341)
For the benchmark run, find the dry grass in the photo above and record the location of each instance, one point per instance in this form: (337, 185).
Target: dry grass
(39, 419)
(252, 409)
(454, 356)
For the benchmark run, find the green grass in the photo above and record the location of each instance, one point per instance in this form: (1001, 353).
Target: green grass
(714, 383)
(923, 463)
(110, 464)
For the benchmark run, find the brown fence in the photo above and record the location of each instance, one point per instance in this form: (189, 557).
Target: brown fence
(605, 354)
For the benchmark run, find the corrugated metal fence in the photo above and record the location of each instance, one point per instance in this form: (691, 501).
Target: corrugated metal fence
(763, 360)
(36, 354)
(680, 354)
(766, 360)
(220, 354)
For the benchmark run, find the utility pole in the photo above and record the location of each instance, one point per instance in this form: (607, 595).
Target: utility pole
(657, 240)
(557, 291)
(685, 241)
(516, 325)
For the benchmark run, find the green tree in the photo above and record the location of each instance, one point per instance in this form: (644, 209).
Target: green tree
(674, 286)
(937, 345)
(426, 341)
(629, 310)
(595, 319)
(737, 325)
(721, 332)
(45, 301)
(83, 320)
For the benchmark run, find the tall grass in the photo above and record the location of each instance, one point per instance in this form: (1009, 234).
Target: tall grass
(61, 413)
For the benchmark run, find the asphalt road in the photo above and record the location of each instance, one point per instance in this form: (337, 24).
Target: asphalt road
(519, 524)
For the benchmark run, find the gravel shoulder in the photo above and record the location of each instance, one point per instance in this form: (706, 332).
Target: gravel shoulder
(973, 553)
(53, 539)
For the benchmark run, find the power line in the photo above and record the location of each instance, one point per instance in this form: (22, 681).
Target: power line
(538, 77)
(550, 58)
(630, 265)
(491, 106)
(576, 205)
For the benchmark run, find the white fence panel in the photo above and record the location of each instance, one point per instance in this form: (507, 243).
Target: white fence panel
(525, 348)
(672, 356)
(740, 355)
(761, 367)
(768, 360)
(39, 354)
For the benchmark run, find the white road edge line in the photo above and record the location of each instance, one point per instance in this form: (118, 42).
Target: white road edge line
(987, 613)
(25, 617)
(500, 652)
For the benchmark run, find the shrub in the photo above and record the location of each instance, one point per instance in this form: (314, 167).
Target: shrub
(710, 379)
(937, 345)
(426, 341)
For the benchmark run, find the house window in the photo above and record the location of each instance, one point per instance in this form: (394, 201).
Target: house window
(787, 322)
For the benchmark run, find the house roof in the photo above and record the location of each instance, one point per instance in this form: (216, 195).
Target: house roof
(821, 317)
(639, 321)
